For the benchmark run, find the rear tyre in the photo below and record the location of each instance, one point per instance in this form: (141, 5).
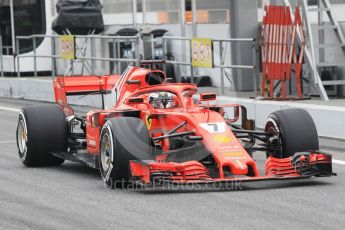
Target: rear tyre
(121, 139)
(41, 130)
(295, 130)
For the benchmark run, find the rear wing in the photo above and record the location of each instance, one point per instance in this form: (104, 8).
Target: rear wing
(82, 85)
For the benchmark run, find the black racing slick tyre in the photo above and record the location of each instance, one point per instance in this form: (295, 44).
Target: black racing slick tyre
(295, 130)
(122, 139)
(41, 130)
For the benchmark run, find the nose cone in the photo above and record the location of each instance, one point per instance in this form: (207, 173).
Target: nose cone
(229, 153)
(236, 167)
(226, 149)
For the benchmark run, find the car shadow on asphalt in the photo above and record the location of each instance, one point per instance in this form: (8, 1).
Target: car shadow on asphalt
(78, 169)
(245, 187)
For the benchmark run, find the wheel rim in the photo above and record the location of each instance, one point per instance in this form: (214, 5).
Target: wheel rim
(106, 152)
(273, 128)
(22, 138)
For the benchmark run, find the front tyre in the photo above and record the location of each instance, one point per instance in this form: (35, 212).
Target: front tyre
(41, 130)
(295, 131)
(121, 139)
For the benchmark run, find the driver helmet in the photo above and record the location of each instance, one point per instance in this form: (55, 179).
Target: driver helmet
(162, 100)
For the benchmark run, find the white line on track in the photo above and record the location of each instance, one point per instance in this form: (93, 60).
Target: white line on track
(338, 162)
(18, 110)
(7, 142)
(10, 109)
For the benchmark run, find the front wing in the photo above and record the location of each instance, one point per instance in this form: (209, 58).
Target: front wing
(301, 165)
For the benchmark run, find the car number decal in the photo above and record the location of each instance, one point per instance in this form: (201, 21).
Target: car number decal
(215, 127)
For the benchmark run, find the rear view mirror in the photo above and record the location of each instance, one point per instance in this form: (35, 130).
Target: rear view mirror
(207, 97)
(135, 100)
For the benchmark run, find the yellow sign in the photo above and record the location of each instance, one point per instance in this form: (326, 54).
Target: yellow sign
(67, 47)
(202, 52)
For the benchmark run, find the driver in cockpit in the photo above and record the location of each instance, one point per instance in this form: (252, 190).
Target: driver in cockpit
(163, 100)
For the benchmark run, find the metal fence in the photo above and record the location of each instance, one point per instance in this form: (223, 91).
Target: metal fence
(92, 56)
(88, 41)
(1, 58)
(221, 64)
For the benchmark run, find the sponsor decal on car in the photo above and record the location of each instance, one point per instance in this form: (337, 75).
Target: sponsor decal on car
(222, 138)
(233, 154)
(91, 142)
(229, 148)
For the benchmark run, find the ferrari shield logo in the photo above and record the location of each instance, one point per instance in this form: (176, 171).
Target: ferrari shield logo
(148, 122)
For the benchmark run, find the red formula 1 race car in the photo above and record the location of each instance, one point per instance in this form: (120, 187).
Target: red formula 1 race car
(157, 133)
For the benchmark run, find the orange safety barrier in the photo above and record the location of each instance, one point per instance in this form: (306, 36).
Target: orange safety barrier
(280, 49)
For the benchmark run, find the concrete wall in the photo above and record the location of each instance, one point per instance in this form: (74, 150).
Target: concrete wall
(41, 90)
